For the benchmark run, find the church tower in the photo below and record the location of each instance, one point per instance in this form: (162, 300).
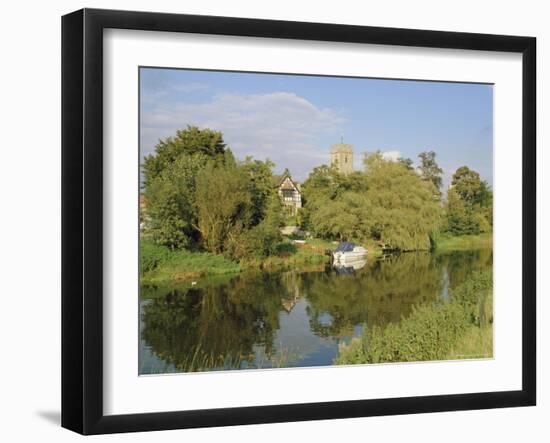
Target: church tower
(341, 156)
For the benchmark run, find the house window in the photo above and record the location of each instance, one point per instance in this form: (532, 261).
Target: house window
(288, 195)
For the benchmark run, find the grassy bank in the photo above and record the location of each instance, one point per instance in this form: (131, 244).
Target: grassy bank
(475, 343)
(462, 242)
(159, 264)
(458, 328)
(290, 256)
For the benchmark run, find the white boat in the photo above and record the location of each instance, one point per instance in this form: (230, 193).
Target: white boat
(347, 252)
(348, 267)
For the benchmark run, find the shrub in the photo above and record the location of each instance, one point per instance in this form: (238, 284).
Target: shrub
(430, 332)
(151, 256)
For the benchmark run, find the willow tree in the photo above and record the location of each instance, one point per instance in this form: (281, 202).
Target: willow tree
(344, 218)
(404, 210)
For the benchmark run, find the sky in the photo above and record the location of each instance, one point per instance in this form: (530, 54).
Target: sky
(293, 120)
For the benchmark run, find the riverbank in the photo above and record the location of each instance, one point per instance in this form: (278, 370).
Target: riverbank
(459, 328)
(477, 342)
(463, 242)
(159, 264)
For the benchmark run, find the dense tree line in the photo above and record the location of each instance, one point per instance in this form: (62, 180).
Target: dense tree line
(396, 204)
(389, 202)
(199, 196)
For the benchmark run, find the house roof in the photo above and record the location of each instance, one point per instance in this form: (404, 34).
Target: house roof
(279, 181)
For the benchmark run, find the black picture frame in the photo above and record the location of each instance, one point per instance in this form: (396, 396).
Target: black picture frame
(82, 218)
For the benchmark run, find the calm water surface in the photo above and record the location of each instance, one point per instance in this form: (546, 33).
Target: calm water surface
(288, 318)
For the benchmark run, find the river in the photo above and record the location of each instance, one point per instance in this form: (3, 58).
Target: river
(288, 318)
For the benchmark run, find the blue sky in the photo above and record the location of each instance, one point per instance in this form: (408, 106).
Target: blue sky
(293, 120)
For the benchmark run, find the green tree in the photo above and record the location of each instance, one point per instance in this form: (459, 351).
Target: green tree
(345, 218)
(260, 175)
(263, 239)
(224, 205)
(467, 184)
(404, 212)
(430, 170)
(407, 162)
(189, 141)
(469, 205)
(388, 202)
(170, 198)
(325, 183)
(461, 218)
(198, 194)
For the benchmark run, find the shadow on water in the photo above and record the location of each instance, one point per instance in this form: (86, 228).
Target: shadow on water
(291, 318)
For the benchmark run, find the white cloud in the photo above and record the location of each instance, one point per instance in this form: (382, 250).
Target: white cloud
(154, 95)
(391, 155)
(190, 87)
(281, 126)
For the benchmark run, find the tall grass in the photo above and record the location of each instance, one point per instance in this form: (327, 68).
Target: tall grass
(462, 242)
(158, 263)
(475, 343)
(431, 332)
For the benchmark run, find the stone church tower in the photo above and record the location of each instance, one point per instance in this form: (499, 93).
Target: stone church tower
(341, 156)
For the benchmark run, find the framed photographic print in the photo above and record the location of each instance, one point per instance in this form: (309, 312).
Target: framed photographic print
(269, 221)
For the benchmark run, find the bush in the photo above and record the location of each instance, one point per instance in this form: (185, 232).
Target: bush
(476, 296)
(430, 332)
(151, 256)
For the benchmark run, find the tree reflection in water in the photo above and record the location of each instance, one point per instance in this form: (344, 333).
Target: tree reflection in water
(230, 324)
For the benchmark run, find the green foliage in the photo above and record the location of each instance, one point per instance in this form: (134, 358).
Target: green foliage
(151, 256)
(405, 213)
(171, 202)
(469, 208)
(347, 217)
(461, 217)
(467, 184)
(475, 295)
(189, 141)
(199, 196)
(263, 239)
(428, 335)
(430, 332)
(430, 170)
(159, 264)
(261, 186)
(464, 242)
(223, 205)
(407, 162)
(388, 202)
